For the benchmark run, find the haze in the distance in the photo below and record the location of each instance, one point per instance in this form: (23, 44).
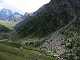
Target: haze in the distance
(23, 5)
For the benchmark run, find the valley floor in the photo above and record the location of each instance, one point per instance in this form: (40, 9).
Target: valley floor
(9, 52)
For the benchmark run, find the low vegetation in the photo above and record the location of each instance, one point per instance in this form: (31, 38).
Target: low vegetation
(9, 52)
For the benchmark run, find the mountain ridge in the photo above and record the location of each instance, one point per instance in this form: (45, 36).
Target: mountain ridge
(8, 15)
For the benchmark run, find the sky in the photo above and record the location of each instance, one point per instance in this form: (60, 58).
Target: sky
(23, 5)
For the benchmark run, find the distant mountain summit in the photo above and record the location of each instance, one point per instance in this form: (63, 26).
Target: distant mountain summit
(5, 14)
(8, 15)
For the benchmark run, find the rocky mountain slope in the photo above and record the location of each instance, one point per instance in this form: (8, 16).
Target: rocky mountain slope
(57, 23)
(49, 19)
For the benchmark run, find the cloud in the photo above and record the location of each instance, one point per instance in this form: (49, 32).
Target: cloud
(1, 1)
(25, 5)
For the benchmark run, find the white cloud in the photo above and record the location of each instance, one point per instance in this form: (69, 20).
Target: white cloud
(25, 5)
(1, 1)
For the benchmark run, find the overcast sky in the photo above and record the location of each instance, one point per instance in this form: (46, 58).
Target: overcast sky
(23, 5)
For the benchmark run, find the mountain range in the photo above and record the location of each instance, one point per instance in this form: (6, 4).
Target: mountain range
(8, 15)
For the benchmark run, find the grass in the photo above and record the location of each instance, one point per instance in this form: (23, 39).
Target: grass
(8, 52)
(7, 24)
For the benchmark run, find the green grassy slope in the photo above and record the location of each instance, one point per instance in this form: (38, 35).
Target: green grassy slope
(7, 24)
(8, 52)
(3, 27)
